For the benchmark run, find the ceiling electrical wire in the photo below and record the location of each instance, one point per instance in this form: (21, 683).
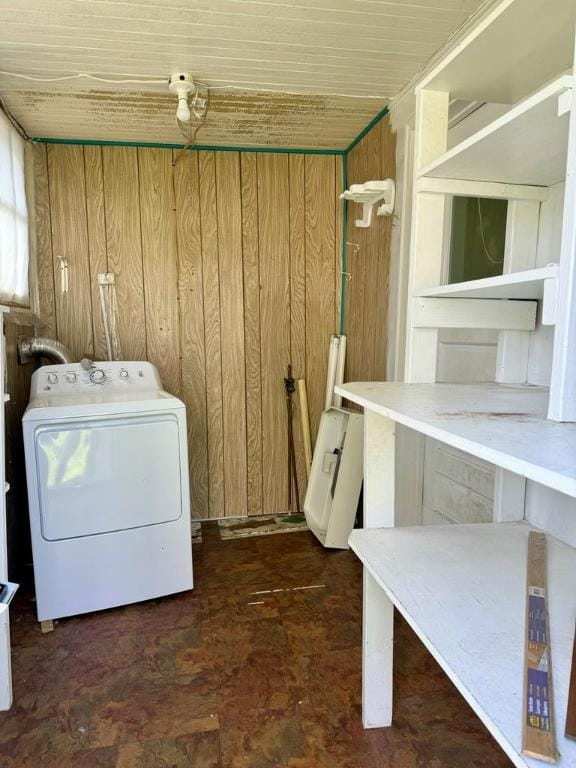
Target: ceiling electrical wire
(193, 129)
(162, 81)
(85, 75)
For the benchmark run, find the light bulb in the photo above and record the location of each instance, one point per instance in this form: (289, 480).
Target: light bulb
(183, 111)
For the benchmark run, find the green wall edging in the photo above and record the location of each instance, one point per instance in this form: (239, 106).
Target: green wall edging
(215, 148)
(194, 147)
(343, 153)
(375, 120)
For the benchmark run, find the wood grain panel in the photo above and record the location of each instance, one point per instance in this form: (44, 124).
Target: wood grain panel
(247, 247)
(212, 330)
(251, 264)
(370, 257)
(298, 300)
(274, 234)
(320, 237)
(160, 265)
(187, 203)
(43, 232)
(67, 203)
(97, 251)
(232, 332)
(338, 214)
(124, 239)
(388, 158)
(367, 291)
(358, 172)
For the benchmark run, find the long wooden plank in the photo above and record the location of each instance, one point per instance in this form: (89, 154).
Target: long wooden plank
(124, 242)
(67, 204)
(251, 263)
(212, 330)
(187, 203)
(298, 302)
(320, 237)
(232, 332)
(274, 234)
(538, 723)
(160, 265)
(45, 277)
(97, 253)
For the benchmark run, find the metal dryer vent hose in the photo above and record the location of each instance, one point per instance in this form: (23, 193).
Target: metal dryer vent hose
(39, 346)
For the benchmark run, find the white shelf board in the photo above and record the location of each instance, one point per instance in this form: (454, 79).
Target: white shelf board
(448, 583)
(527, 145)
(528, 284)
(516, 47)
(505, 425)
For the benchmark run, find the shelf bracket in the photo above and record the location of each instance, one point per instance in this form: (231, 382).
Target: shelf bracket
(369, 194)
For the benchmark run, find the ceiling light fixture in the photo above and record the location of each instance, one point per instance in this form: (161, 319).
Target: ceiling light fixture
(182, 84)
(192, 104)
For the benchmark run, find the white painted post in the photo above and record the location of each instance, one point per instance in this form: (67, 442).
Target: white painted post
(427, 238)
(377, 655)
(562, 403)
(378, 611)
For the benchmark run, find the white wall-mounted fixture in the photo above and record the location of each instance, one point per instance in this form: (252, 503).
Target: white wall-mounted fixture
(369, 194)
(63, 274)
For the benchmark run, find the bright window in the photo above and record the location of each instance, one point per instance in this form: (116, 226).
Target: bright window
(13, 217)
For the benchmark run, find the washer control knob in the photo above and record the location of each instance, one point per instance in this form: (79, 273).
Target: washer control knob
(97, 376)
(52, 378)
(123, 373)
(71, 378)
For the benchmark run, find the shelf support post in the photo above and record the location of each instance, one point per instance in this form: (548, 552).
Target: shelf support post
(378, 611)
(427, 238)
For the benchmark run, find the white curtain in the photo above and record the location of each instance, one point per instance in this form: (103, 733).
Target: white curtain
(13, 217)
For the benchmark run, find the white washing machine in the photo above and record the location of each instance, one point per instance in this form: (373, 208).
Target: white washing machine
(107, 468)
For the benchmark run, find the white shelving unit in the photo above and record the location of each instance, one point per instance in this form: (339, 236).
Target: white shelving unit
(462, 587)
(476, 631)
(528, 145)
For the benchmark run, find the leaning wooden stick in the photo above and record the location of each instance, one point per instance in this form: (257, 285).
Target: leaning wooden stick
(304, 418)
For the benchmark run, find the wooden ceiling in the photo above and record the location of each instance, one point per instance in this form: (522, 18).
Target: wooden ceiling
(289, 73)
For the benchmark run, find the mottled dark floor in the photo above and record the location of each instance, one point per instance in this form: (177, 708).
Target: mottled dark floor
(224, 677)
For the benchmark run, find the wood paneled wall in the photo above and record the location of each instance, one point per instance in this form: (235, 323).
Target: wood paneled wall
(227, 268)
(367, 294)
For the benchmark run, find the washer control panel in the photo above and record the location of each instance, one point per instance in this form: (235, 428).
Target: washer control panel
(119, 376)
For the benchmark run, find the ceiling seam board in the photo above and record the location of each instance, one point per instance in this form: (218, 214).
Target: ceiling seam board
(284, 73)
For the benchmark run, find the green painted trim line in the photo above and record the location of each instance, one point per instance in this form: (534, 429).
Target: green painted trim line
(364, 131)
(343, 276)
(196, 147)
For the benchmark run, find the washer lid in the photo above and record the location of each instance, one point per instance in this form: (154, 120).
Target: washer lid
(94, 403)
